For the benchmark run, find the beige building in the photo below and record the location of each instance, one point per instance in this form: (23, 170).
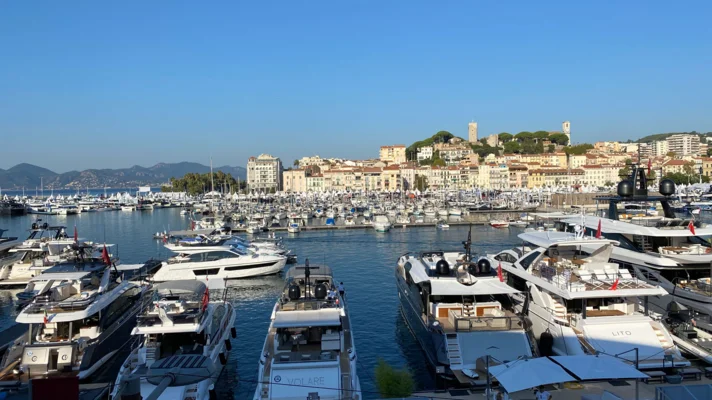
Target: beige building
(314, 160)
(315, 183)
(264, 173)
(472, 132)
(518, 176)
(294, 181)
(549, 177)
(393, 154)
(493, 140)
(660, 148)
(600, 175)
(683, 144)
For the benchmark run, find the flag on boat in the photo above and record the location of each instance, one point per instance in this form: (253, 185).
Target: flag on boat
(691, 227)
(192, 225)
(206, 298)
(650, 165)
(614, 286)
(598, 231)
(105, 256)
(46, 318)
(499, 272)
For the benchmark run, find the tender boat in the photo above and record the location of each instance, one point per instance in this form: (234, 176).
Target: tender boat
(293, 226)
(381, 223)
(581, 303)
(460, 312)
(499, 223)
(442, 225)
(309, 347)
(690, 331)
(180, 326)
(75, 327)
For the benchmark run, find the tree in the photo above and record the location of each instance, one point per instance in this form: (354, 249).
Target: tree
(608, 184)
(689, 168)
(651, 175)
(559, 138)
(523, 135)
(670, 154)
(540, 135)
(296, 163)
(512, 147)
(421, 182)
(551, 148)
(578, 149)
(393, 383)
(505, 137)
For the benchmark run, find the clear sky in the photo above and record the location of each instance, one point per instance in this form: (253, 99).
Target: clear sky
(95, 84)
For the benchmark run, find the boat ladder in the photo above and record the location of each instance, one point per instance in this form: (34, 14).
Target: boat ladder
(559, 309)
(643, 242)
(453, 350)
(663, 340)
(468, 310)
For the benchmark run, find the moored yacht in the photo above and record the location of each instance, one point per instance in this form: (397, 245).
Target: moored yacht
(460, 313)
(309, 346)
(381, 223)
(226, 263)
(580, 303)
(75, 327)
(180, 326)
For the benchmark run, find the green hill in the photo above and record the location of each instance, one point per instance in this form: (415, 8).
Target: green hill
(662, 136)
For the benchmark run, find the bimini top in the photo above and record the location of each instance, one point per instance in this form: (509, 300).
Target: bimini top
(298, 271)
(180, 288)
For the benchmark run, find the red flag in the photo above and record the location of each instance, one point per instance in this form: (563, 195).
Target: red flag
(165, 239)
(691, 227)
(76, 235)
(46, 318)
(192, 225)
(650, 165)
(206, 298)
(499, 272)
(614, 286)
(598, 231)
(105, 256)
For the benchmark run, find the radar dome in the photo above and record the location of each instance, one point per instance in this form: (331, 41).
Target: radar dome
(625, 188)
(667, 187)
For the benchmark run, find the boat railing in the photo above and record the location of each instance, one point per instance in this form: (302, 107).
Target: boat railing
(485, 323)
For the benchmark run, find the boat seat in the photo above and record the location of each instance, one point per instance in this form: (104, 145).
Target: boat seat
(625, 274)
(600, 274)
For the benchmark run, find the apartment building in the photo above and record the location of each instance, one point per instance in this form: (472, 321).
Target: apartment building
(264, 173)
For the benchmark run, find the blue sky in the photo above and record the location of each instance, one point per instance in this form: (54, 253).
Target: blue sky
(90, 84)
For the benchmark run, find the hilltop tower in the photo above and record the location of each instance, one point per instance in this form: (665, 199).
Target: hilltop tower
(472, 132)
(566, 129)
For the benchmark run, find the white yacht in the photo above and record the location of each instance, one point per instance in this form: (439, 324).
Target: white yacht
(293, 226)
(581, 303)
(309, 346)
(460, 313)
(180, 326)
(75, 327)
(381, 223)
(227, 263)
(663, 250)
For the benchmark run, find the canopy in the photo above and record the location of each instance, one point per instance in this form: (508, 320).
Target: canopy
(525, 374)
(596, 367)
(528, 373)
(451, 287)
(298, 319)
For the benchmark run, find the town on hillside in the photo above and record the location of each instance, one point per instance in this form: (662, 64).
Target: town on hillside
(531, 160)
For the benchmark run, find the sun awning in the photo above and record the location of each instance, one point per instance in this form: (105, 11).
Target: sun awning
(451, 287)
(595, 367)
(295, 319)
(525, 374)
(62, 276)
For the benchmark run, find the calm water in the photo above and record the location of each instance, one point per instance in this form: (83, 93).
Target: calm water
(362, 259)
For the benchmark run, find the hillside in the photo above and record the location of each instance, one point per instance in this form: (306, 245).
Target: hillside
(30, 176)
(662, 136)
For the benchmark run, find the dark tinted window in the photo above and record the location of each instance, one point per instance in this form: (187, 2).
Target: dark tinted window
(527, 261)
(209, 271)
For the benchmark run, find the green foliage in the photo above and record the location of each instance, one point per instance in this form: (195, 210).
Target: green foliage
(551, 148)
(505, 137)
(512, 147)
(421, 182)
(193, 183)
(435, 160)
(393, 383)
(578, 150)
(662, 136)
(709, 152)
(440, 137)
(296, 163)
(540, 135)
(679, 178)
(559, 138)
(484, 150)
(523, 135)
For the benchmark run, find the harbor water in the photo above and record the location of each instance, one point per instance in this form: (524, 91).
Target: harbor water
(362, 258)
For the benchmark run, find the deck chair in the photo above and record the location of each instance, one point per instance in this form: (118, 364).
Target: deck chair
(584, 274)
(600, 274)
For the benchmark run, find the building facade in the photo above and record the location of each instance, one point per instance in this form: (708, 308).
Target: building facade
(393, 154)
(683, 144)
(264, 173)
(295, 180)
(425, 153)
(472, 132)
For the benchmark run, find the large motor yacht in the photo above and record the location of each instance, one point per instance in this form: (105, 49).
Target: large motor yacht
(309, 347)
(180, 326)
(75, 327)
(581, 303)
(664, 250)
(461, 313)
(227, 263)
(44, 247)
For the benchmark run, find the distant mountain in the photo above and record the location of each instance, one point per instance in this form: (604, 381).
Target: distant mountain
(30, 176)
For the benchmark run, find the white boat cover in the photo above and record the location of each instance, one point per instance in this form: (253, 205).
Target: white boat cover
(528, 373)
(323, 317)
(595, 367)
(60, 276)
(451, 287)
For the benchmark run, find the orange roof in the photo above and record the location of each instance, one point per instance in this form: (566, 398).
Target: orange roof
(676, 162)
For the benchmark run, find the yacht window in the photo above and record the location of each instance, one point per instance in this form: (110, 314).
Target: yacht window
(527, 261)
(118, 308)
(207, 271)
(699, 240)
